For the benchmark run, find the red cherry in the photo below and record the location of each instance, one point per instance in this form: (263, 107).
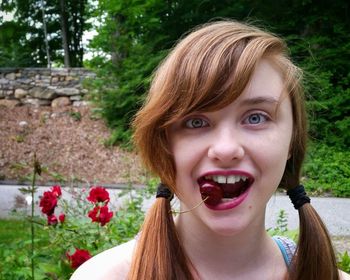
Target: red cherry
(212, 192)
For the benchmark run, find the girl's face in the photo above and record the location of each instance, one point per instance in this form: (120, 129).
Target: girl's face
(239, 151)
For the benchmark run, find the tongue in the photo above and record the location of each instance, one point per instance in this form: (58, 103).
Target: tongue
(232, 190)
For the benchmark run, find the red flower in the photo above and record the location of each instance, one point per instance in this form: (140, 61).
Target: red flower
(48, 203)
(61, 218)
(100, 215)
(56, 190)
(78, 258)
(52, 220)
(98, 194)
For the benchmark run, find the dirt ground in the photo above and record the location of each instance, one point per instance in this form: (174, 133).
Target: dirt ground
(68, 142)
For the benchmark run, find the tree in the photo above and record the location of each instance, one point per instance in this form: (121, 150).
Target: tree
(65, 21)
(64, 32)
(135, 35)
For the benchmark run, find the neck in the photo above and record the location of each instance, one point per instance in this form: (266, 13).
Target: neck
(238, 254)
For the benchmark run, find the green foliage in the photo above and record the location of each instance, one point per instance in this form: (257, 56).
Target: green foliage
(26, 48)
(344, 262)
(75, 115)
(15, 237)
(327, 170)
(134, 36)
(281, 228)
(14, 52)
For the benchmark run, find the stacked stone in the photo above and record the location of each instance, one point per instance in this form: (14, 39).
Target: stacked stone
(42, 86)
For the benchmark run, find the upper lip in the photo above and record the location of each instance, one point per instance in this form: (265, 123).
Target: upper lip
(227, 173)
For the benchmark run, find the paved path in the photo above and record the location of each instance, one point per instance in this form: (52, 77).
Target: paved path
(334, 211)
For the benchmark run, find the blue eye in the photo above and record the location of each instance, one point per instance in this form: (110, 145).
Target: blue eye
(256, 118)
(196, 123)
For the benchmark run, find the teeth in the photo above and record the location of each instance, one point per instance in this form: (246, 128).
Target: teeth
(228, 199)
(231, 179)
(221, 180)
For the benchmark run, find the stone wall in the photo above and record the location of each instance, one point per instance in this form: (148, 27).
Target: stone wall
(43, 86)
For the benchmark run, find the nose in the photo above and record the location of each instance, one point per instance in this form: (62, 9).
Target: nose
(226, 147)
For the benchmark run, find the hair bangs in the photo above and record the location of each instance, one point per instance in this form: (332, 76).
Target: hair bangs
(208, 80)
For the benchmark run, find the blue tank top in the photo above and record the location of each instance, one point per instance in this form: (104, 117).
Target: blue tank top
(287, 248)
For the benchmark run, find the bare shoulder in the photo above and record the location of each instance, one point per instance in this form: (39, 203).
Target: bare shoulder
(110, 264)
(343, 275)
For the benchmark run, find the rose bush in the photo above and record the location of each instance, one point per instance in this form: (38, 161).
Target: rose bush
(58, 242)
(99, 214)
(50, 248)
(85, 225)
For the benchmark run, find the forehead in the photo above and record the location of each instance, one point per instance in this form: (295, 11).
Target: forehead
(266, 81)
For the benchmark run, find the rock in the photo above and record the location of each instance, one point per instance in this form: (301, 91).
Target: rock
(24, 81)
(23, 124)
(8, 92)
(80, 103)
(20, 93)
(67, 91)
(60, 102)
(42, 93)
(36, 102)
(70, 78)
(9, 103)
(54, 80)
(75, 97)
(59, 71)
(10, 76)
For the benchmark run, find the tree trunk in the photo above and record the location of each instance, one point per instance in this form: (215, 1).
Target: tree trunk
(64, 34)
(45, 34)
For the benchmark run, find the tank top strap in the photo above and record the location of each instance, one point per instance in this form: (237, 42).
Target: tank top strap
(287, 247)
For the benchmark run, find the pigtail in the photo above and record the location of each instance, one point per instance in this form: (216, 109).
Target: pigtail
(314, 258)
(159, 254)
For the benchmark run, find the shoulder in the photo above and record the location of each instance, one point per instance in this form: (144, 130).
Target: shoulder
(110, 264)
(343, 275)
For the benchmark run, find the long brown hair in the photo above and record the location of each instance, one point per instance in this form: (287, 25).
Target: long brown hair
(208, 70)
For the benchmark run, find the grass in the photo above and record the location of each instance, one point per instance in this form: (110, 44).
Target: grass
(16, 230)
(12, 230)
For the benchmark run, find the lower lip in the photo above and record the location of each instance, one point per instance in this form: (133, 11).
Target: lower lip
(229, 204)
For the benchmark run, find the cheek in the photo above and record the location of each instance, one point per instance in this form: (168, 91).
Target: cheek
(187, 156)
(272, 152)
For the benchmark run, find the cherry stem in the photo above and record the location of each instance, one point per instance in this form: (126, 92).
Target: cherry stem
(186, 211)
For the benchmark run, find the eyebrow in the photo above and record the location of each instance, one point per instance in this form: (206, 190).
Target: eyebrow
(260, 100)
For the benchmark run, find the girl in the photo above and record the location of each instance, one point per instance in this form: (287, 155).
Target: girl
(223, 127)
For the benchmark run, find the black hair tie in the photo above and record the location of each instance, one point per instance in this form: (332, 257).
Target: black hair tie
(163, 191)
(298, 196)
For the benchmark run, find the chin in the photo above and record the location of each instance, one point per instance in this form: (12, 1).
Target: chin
(227, 226)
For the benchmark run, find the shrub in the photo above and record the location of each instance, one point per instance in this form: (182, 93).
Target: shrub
(327, 170)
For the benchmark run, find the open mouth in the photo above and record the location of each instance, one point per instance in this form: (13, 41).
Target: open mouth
(216, 189)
